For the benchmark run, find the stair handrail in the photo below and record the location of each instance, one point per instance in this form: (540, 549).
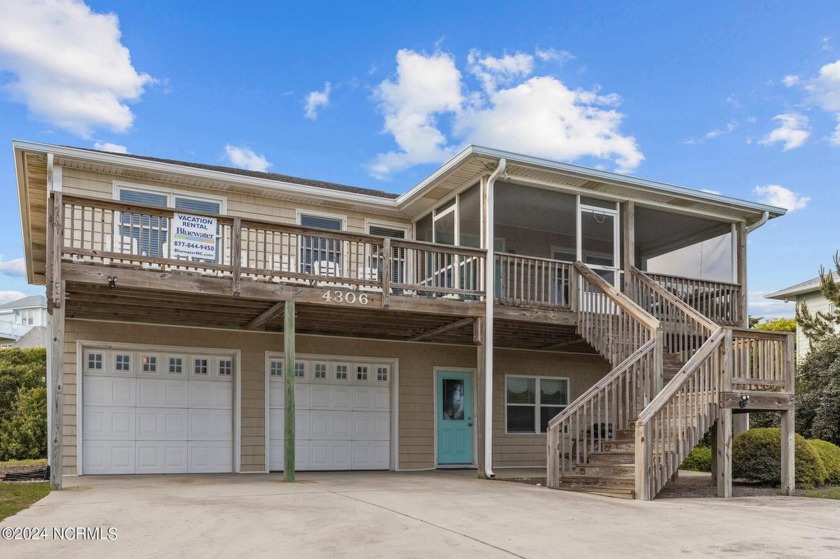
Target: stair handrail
(687, 309)
(634, 376)
(659, 452)
(614, 325)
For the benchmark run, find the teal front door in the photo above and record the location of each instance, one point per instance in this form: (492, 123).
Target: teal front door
(454, 392)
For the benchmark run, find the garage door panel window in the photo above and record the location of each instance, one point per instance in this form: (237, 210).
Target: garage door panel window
(319, 371)
(176, 365)
(225, 367)
(95, 362)
(122, 362)
(200, 367)
(341, 372)
(275, 368)
(300, 369)
(532, 401)
(149, 364)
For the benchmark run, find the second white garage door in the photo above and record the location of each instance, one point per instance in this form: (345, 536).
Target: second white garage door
(342, 414)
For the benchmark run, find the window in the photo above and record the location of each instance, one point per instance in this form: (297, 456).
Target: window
(123, 362)
(321, 255)
(275, 368)
(149, 363)
(152, 232)
(320, 370)
(200, 366)
(382, 374)
(300, 369)
(531, 402)
(225, 367)
(94, 362)
(341, 372)
(362, 372)
(176, 365)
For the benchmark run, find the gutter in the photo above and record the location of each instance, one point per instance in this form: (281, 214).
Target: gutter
(759, 223)
(490, 290)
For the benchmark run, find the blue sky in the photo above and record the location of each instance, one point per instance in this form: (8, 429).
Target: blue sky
(742, 98)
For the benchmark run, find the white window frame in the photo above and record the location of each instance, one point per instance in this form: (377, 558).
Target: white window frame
(537, 404)
(171, 194)
(616, 215)
(299, 213)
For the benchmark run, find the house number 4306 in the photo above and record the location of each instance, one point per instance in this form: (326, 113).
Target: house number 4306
(346, 297)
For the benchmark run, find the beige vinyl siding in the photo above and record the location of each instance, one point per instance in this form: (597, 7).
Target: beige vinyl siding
(264, 208)
(416, 365)
(522, 449)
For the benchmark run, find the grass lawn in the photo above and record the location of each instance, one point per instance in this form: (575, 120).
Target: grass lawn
(39, 463)
(827, 492)
(14, 497)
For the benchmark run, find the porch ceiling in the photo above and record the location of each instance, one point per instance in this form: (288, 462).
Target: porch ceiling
(95, 302)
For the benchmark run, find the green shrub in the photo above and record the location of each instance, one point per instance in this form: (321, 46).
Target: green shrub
(23, 404)
(698, 460)
(757, 455)
(830, 455)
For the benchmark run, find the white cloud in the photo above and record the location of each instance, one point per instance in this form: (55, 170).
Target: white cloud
(316, 100)
(554, 55)
(15, 267)
(426, 86)
(6, 296)
(790, 80)
(431, 112)
(793, 131)
(776, 195)
(108, 146)
(492, 71)
(69, 65)
(825, 88)
(834, 139)
(758, 305)
(245, 158)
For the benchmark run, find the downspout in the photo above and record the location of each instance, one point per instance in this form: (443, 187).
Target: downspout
(489, 299)
(759, 223)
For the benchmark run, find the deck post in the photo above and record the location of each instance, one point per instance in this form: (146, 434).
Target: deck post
(289, 362)
(628, 221)
(723, 449)
(56, 373)
(788, 425)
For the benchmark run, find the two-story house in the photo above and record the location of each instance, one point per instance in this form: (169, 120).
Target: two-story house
(496, 315)
(810, 293)
(19, 317)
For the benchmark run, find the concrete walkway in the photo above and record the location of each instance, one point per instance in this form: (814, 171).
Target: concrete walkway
(432, 514)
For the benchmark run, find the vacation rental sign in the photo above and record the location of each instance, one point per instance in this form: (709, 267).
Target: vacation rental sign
(194, 237)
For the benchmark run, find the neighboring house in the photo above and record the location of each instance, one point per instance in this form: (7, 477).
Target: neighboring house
(18, 317)
(447, 326)
(807, 292)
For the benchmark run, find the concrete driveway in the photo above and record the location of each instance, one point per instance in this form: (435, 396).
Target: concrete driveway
(432, 514)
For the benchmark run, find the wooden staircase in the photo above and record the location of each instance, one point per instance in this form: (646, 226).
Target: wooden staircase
(676, 373)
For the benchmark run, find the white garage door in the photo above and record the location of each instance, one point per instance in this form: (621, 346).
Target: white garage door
(154, 412)
(342, 414)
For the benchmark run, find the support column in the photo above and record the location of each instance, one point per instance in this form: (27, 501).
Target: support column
(289, 361)
(723, 431)
(788, 452)
(628, 237)
(56, 374)
(741, 421)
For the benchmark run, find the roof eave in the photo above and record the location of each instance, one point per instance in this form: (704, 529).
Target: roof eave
(220, 176)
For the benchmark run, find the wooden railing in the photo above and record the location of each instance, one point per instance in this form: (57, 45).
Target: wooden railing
(527, 281)
(684, 329)
(631, 340)
(762, 360)
(609, 320)
(678, 417)
(718, 301)
(135, 235)
(595, 417)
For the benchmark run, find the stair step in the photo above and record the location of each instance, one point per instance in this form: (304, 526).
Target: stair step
(597, 482)
(611, 471)
(616, 492)
(611, 457)
(619, 445)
